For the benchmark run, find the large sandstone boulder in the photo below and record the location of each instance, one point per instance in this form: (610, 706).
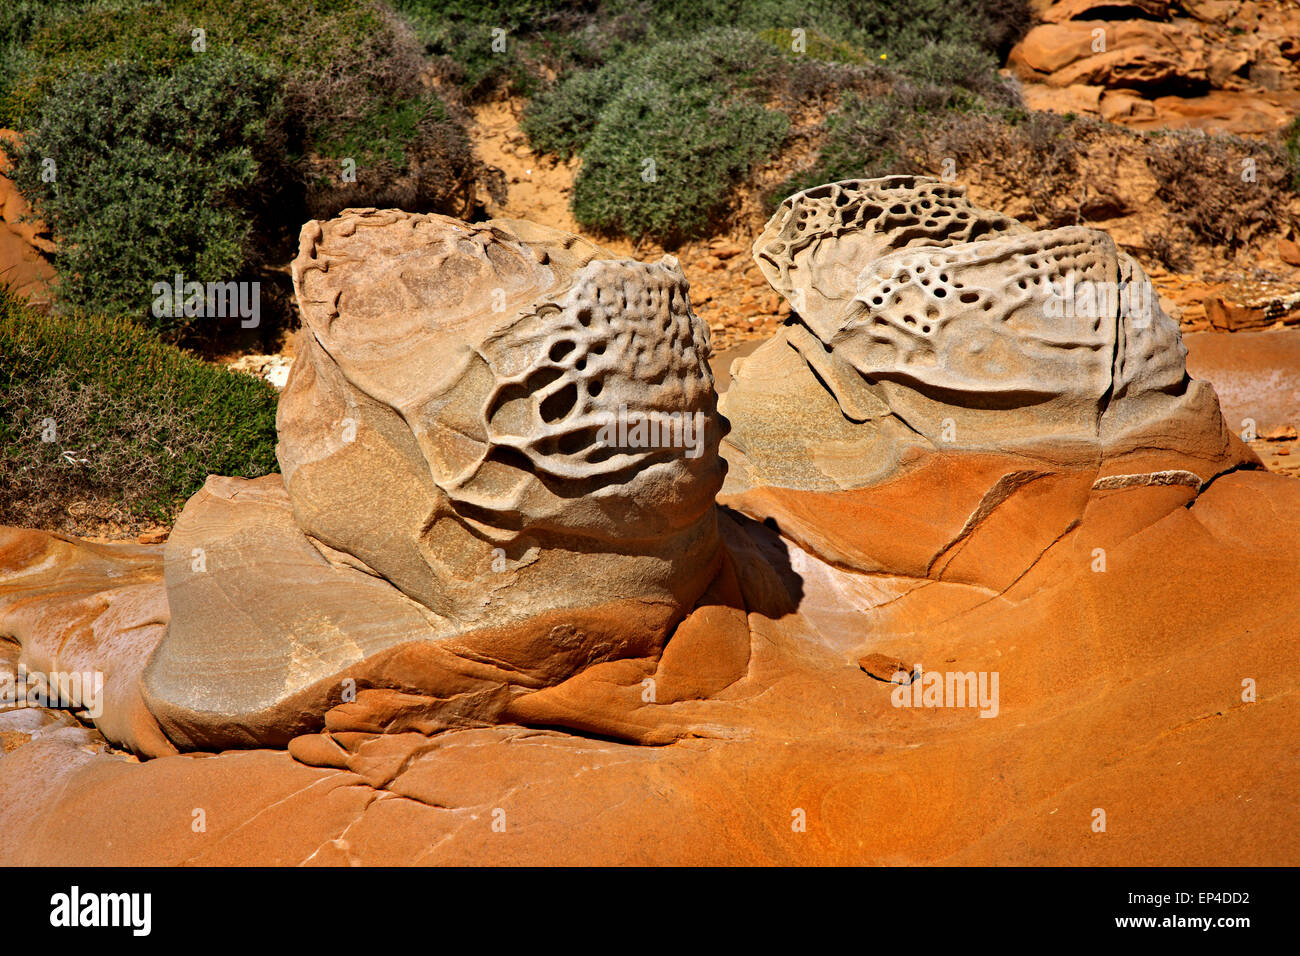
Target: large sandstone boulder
(948, 354)
(497, 438)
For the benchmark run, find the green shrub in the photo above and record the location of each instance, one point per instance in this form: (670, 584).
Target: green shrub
(19, 21)
(561, 119)
(347, 66)
(707, 105)
(862, 142)
(151, 177)
(100, 421)
(547, 37)
(1291, 146)
(899, 30)
(334, 42)
(955, 68)
(20, 18)
(881, 133)
(412, 154)
(814, 46)
(694, 110)
(231, 146)
(540, 36)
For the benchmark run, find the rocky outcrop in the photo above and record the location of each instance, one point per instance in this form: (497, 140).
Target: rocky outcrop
(1119, 690)
(1209, 64)
(986, 368)
(496, 438)
(446, 634)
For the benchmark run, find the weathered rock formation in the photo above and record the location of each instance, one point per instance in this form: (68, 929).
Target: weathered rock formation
(946, 353)
(974, 450)
(1224, 66)
(454, 473)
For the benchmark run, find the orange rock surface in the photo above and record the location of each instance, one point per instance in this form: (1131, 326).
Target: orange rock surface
(1119, 690)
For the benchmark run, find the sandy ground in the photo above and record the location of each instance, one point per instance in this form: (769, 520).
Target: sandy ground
(24, 245)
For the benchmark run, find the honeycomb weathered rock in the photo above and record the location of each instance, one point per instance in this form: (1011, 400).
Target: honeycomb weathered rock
(927, 333)
(451, 448)
(817, 241)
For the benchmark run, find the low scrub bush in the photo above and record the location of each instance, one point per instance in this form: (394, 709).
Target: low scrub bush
(562, 119)
(882, 132)
(243, 118)
(707, 105)
(1222, 189)
(99, 421)
(686, 124)
(515, 43)
(142, 176)
(898, 30)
